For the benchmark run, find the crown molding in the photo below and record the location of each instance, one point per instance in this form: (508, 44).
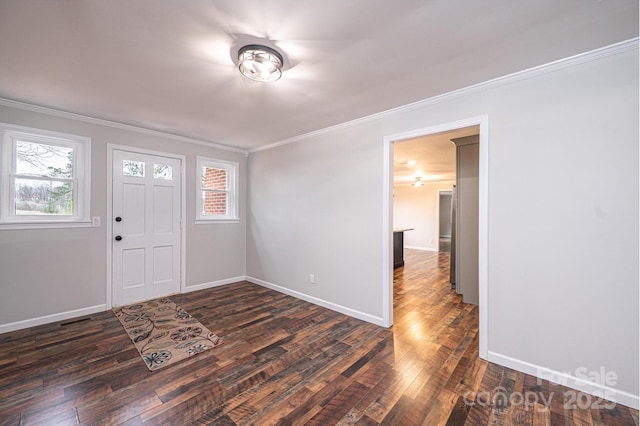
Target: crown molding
(571, 61)
(101, 122)
(593, 55)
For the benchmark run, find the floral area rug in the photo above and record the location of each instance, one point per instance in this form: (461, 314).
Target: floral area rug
(164, 333)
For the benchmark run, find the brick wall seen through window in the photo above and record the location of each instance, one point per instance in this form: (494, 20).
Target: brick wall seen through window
(215, 203)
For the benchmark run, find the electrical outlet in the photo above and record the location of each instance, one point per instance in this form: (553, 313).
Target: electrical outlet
(312, 279)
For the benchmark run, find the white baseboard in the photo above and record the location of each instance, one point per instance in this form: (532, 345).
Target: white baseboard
(19, 325)
(421, 248)
(32, 322)
(571, 381)
(203, 286)
(320, 302)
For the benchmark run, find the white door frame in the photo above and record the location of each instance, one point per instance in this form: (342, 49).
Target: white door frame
(483, 218)
(109, 215)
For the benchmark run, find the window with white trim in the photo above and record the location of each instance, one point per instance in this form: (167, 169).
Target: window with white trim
(45, 178)
(217, 197)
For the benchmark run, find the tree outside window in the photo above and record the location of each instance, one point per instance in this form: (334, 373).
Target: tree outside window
(43, 179)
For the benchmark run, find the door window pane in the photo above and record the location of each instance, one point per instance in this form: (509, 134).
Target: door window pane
(162, 171)
(133, 168)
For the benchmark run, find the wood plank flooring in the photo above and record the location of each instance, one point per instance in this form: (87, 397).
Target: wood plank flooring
(285, 362)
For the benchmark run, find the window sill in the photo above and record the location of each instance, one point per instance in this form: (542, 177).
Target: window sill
(45, 225)
(215, 221)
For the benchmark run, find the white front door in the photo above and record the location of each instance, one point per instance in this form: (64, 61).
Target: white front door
(146, 231)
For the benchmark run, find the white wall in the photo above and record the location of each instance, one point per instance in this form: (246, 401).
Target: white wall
(46, 274)
(311, 213)
(563, 282)
(417, 208)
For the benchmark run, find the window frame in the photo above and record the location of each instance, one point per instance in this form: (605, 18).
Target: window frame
(231, 167)
(10, 135)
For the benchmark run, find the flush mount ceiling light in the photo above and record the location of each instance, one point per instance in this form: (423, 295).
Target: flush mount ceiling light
(418, 181)
(260, 63)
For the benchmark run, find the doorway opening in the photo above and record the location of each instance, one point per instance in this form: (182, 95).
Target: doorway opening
(432, 241)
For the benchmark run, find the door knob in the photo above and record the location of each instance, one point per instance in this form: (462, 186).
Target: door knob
(118, 219)
(118, 237)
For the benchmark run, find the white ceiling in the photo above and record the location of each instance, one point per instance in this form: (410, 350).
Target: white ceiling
(434, 157)
(169, 65)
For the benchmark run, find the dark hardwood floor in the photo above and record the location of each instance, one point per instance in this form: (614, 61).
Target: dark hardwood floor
(286, 362)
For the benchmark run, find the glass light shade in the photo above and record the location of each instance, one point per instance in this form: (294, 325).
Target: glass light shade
(260, 63)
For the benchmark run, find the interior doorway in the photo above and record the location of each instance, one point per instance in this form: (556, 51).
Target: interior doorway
(481, 125)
